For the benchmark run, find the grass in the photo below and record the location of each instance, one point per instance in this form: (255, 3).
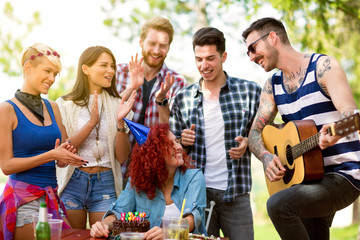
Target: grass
(268, 232)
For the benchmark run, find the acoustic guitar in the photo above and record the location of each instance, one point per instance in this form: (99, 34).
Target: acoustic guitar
(297, 146)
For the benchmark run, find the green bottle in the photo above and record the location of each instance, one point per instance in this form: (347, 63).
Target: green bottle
(42, 227)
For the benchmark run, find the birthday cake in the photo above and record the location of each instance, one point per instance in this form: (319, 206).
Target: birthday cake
(203, 237)
(131, 222)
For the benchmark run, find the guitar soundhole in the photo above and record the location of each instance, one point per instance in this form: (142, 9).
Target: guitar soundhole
(290, 160)
(289, 156)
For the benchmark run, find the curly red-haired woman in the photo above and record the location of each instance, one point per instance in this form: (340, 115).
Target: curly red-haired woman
(159, 181)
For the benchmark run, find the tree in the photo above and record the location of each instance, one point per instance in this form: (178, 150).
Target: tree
(10, 44)
(325, 26)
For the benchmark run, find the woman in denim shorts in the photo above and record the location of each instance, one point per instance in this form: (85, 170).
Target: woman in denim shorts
(30, 146)
(93, 115)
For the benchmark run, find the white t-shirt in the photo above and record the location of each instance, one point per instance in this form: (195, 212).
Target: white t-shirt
(216, 170)
(172, 211)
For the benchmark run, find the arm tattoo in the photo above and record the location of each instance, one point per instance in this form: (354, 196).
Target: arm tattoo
(320, 72)
(268, 87)
(263, 117)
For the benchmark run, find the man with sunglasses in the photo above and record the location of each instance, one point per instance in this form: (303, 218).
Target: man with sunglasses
(213, 117)
(307, 86)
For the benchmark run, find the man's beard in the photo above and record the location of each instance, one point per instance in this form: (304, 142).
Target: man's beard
(270, 61)
(146, 56)
(274, 53)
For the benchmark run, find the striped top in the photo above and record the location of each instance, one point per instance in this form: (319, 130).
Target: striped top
(310, 102)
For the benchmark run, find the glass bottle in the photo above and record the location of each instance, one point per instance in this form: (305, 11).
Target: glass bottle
(42, 229)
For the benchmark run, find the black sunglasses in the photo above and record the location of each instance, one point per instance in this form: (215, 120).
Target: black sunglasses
(251, 46)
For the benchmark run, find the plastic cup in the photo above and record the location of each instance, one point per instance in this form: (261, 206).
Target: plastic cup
(56, 228)
(36, 218)
(175, 228)
(131, 236)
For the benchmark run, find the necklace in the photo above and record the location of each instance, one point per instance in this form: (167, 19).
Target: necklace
(31, 102)
(98, 150)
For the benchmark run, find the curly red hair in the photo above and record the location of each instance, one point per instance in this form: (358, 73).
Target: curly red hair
(147, 167)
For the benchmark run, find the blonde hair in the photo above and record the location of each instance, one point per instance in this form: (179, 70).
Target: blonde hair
(159, 24)
(37, 51)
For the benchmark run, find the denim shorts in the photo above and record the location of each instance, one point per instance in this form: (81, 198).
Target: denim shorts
(25, 212)
(92, 192)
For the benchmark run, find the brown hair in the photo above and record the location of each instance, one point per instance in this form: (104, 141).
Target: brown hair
(266, 25)
(159, 24)
(209, 36)
(81, 90)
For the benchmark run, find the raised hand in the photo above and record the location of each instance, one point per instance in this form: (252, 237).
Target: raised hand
(136, 72)
(125, 107)
(94, 117)
(164, 88)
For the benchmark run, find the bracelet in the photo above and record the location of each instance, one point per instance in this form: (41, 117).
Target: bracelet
(57, 164)
(123, 129)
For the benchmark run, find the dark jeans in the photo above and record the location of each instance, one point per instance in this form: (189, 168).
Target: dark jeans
(306, 211)
(233, 218)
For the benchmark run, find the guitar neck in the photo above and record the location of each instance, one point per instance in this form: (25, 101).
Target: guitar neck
(305, 146)
(341, 128)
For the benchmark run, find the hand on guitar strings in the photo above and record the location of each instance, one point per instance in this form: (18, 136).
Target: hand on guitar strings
(326, 139)
(273, 167)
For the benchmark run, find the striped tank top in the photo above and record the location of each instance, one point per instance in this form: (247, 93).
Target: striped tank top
(310, 102)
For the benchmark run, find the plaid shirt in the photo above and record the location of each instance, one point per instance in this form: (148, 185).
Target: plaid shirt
(239, 101)
(151, 113)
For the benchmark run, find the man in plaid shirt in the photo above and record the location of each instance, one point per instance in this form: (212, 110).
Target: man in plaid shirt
(156, 85)
(213, 118)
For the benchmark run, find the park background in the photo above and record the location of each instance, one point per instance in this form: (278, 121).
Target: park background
(70, 26)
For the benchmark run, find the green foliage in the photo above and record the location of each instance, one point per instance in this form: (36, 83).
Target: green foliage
(11, 44)
(63, 85)
(325, 26)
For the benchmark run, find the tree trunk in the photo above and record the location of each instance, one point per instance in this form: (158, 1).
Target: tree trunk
(200, 10)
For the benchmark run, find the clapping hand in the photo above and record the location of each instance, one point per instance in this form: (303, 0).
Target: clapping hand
(95, 118)
(65, 154)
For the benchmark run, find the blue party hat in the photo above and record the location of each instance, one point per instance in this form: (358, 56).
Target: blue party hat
(139, 131)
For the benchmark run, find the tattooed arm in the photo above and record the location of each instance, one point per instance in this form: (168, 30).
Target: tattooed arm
(267, 111)
(332, 79)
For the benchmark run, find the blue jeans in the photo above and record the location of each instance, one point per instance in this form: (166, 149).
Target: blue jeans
(233, 218)
(87, 191)
(306, 211)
